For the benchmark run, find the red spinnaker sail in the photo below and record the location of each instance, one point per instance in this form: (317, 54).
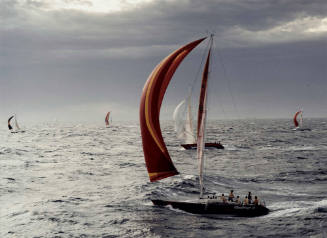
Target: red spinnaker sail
(107, 119)
(158, 161)
(296, 123)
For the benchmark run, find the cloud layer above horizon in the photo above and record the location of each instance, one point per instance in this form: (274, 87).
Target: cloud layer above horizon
(60, 55)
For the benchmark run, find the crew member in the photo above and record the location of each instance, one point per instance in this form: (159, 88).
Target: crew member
(222, 198)
(238, 201)
(246, 201)
(231, 196)
(250, 198)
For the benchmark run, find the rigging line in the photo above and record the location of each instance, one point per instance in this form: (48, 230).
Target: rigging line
(196, 78)
(204, 55)
(191, 85)
(213, 60)
(228, 84)
(199, 68)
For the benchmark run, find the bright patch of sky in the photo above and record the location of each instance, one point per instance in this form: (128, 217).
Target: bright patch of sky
(88, 5)
(319, 27)
(297, 30)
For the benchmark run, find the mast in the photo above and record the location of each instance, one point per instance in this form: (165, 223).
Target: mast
(202, 114)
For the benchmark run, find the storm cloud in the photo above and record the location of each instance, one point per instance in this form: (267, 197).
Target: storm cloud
(70, 64)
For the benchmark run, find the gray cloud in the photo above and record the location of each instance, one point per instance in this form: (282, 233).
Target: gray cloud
(157, 23)
(70, 57)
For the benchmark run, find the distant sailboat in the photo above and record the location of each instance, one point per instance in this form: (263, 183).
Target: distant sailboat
(106, 120)
(10, 127)
(184, 126)
(299, 123)
(157, 158)
(296, 123)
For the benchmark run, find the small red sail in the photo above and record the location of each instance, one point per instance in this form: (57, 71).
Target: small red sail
(9, 126)
(107, 119)
(296, 123)
(158, 161)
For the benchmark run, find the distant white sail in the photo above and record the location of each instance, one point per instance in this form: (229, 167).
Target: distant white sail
(183, 122)
(179, 120)
(16, 123)
(189, 136)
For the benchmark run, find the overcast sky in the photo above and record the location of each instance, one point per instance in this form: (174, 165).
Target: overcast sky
(74, 60)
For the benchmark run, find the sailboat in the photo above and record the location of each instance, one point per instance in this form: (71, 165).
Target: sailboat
(183, 122)
(10, 127)
(157, 158)
(106, 120)
(184, 126)
(299, 124)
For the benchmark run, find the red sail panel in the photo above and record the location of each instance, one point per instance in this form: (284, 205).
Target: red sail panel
(9, 126)
(296, 123)
(203, 93)
(202, 120)
(107, 119)
(158, 161)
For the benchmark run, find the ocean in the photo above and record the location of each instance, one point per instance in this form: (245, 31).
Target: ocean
(68, 180)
